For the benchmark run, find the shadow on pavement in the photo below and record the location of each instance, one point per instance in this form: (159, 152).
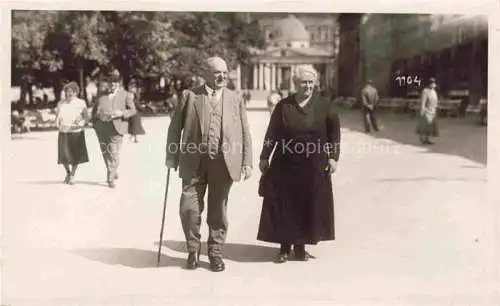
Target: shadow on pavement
(440, 179)
(132, 258)
(61, 183)
(232, 251)
(19, 137)
(462, 137)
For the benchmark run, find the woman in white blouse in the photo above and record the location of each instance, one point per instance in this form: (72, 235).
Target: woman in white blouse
(72, 116)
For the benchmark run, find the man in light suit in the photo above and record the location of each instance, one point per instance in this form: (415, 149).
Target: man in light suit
(214, 150)
(110, 113)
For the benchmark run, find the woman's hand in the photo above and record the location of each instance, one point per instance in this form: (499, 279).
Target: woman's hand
(332, 166)
(263, 165)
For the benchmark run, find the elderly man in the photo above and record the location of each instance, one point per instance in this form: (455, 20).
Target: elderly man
(215, 150)
(111, 113)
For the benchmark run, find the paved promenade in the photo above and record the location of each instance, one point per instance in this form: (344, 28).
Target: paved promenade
(413, 224)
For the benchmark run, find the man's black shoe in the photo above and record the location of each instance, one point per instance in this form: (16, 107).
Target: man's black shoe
(193, 260)
(216, 264)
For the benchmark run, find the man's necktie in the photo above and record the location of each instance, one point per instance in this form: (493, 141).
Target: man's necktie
(213, 99)
(212, 139)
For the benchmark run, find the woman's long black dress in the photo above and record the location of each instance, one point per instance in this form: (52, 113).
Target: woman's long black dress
(297, 189)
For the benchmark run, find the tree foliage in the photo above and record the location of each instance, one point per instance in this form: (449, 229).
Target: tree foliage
(139, 44)
(204, 34)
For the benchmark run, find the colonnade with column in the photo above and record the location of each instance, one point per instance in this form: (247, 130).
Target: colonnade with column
(270, 76)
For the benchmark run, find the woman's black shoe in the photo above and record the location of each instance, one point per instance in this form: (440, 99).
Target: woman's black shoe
(302, 256)
(281, 258)
(300, 253)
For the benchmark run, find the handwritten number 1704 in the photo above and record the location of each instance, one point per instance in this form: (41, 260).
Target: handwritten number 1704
(408, 80)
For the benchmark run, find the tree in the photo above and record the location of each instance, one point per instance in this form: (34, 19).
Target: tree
(71, 44)
(29, 31)
(203, 34)
(138, 43)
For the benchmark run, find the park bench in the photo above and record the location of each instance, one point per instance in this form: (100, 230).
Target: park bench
(348, 102)
(394, 105)
(449, 107)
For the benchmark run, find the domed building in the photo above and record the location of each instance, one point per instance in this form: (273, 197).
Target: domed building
(289, 32)
(291, 40)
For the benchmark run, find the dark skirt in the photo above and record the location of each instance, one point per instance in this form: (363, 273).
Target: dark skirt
(135, 125)
(72, 148)
(426, 127)
(298, 202)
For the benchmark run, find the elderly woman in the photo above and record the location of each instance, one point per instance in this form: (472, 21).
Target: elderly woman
(72, 116)
(427, 124)
(304, 132)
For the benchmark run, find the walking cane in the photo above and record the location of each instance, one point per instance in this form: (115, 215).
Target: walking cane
(163, 218)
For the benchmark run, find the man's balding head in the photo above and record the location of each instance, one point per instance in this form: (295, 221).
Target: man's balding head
(217, 63)
(217, 72)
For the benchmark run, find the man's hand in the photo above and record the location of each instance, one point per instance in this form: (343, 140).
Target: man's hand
(171, 165)
(332, 166)
(80, 123)
(247, 172)
(263, 165)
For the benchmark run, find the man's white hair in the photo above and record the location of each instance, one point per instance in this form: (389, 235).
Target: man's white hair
(301, 71)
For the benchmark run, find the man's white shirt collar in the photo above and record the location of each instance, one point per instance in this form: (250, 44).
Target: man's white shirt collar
(210, 91)
(113, 93)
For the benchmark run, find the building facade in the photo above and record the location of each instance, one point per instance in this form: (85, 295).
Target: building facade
(291, 39)
(451, 48)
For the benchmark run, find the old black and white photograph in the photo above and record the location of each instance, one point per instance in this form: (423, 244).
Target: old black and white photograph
(261, 157)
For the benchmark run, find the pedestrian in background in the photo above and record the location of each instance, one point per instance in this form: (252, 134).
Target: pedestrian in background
(135, 122)
(369, 99)
(272, 100)
(72, 116)
(111, 113)
(427, 125)
(91, 90)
